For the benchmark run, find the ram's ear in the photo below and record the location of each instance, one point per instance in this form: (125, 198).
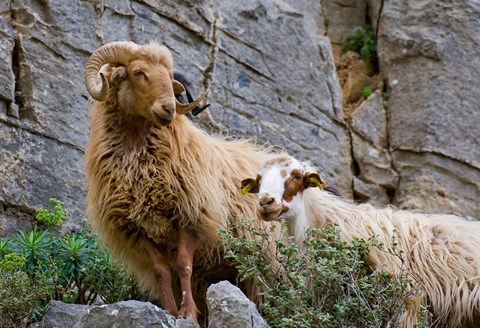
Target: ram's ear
(118, 74)
(312, 179)
(250, 185)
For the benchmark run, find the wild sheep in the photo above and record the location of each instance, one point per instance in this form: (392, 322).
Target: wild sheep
(159, 188)
(442, 251)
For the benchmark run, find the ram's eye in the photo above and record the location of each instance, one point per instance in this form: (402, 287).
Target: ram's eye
(137, 72)
(298, 177)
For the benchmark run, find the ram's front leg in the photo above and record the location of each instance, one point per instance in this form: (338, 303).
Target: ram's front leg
(164, 276)
(187, 244)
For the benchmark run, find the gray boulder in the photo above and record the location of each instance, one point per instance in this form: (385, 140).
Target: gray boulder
(229, 307)
(126, 314)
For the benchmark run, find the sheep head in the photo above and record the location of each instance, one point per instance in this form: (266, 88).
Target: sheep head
(279, 181)
(145, 77)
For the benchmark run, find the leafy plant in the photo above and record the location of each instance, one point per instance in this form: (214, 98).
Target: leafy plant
(39, 265)
(19, 293)
(108, 280)
(327, 283)
(53, 215)
(4, 247)
(367, 91)
(35, 246)
(363, 42)
(74, 253)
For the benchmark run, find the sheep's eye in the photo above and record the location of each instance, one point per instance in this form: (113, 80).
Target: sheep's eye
(298, 177)
(139, 73)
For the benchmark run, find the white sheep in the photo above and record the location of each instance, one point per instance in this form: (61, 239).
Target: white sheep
(442, 252)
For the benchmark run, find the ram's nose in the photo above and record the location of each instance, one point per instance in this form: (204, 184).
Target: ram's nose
(169, 108)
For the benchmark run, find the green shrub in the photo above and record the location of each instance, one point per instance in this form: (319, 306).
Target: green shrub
(35, 246)
(363, 42)
(53, 215)
(20, 294)
(108, 280)
(37, 266)
(367, 91)
(326, 284)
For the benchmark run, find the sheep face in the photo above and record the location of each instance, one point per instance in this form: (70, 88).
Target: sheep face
(144, 76)
(146, 89)
(278, 184)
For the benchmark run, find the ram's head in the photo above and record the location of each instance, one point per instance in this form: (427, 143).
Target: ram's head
(144, 75)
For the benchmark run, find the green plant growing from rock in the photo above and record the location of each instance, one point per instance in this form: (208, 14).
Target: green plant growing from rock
(363, 42)
(326, 284)
(367, 91)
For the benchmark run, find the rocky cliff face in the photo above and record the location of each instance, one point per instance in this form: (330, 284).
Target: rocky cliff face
(271, 75)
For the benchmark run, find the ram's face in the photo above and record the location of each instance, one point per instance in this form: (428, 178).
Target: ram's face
(147, 90)
(144, 75)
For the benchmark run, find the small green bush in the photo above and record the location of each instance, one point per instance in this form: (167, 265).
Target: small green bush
(326, 284)
(39, 265)
(53, 215)
(363, 42)
(367, 91)
(20, 293)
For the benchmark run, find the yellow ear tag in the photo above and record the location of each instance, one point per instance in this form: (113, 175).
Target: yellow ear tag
(246, 189)
(321, 185)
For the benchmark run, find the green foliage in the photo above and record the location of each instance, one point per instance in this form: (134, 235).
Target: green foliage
(53, 215)
(37, 266)
(367, 91)
(108, 280)
(20, 295)
(4, 247)
(325, 284)
(12, 261)
(35, 246)
(426, 318)
(363, 42)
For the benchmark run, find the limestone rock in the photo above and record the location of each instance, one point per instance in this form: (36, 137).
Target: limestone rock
(375, 165)
(436, 184)
(59, 314)
(370, 121)
(369, 192)
(343, 17)
(126, 314)
(229, 307)
(7, 77)
(429, 53)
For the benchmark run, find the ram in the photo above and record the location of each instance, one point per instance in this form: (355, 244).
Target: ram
(442, 252)
(159, 188)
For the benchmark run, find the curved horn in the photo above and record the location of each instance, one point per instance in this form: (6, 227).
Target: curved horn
(184, 108)
(113, 52)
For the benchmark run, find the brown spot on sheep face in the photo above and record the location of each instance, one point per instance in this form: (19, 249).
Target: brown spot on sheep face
(298, 182)
(293, 185)
(283, 161)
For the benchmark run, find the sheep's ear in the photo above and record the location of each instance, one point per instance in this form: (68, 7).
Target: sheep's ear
(250, 186)
(118, 74)
(312, 179)
(178, 88)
